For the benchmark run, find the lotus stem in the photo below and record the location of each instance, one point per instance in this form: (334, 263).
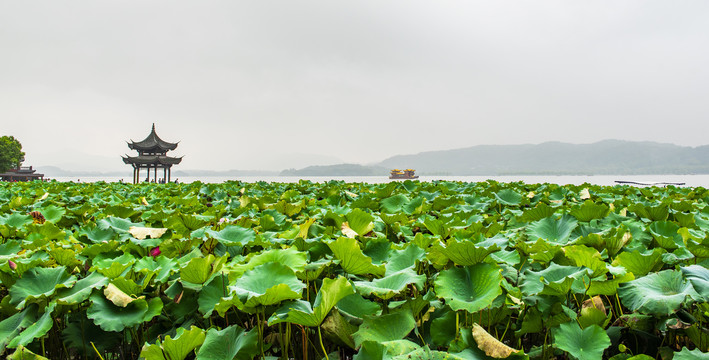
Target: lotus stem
(96, 350)
(322, 345)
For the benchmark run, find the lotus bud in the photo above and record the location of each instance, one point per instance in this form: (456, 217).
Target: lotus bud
(155, 251)
(12, 264)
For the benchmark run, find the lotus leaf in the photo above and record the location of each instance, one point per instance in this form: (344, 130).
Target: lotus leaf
(115, 318)
(199, 270)
(687, 354)
(177, 348)
(81, 290)
(267, 284)
(352, 259)
(508, 197)
(553, 230)
(404, 259)
(640, 264)
(470, 288)
(586, 344)
(658, 294)
(38, 283)
(339, 329)
(359, 221)
(233, 235)
(390, 285)
(13, 325)
(355, 306)
(232, 342)
(699, 277)
(390, 327)
(38, 329)
(300, 312)
(490, 345)
(589, 211)
(556, 280)
(22, 353)
(16, 221)
(466, 253)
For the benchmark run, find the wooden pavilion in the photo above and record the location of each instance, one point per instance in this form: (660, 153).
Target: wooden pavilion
(152, 155)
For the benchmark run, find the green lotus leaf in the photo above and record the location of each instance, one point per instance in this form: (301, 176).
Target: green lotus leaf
(23, 353)
(588, 257)
(437, 227)
(589, 211)
(161, 266)
(687, 354)
(98, 235)
(556, 280)
(647, 211)
(466, 253)
(233, 235)
(640, 264)
(39, 283)
(666, 234)
(115, 318)
(46, 231)
(360, 221)
(470, 288)
(540, 251)
(337, 328)
(177, 348)
(660, 294)
(212, 293)
(390, 327)
(16, 220)
(300, 312)
(391, 285)
(699, 277)
(38, 329)
(404, 259)
(267, 284)
(536, 213)
(52, 213)
(232, 342)
(394, 204)
(199, 270)
(586, 344)
(13, 325)
(509, 197)
(388, 350)
(553, 230)
(184, 224)
(117, 224)
(352, 259)
(357, 307)
(608, 287)
(65, 257)
(443, 329)
(81, 290)
(113, 267)
(290, 257)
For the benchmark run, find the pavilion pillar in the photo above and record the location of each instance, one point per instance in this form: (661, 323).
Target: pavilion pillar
(164, 175)
(155, 173)
(137, 175)
(169, 173)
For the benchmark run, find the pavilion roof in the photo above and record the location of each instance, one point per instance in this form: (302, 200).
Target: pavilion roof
(152, 160)
(152, 143)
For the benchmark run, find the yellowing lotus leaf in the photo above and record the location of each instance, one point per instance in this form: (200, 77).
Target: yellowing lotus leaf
(584, 194)
(347, 231)
(117, 296)
(491, 346)
(141, 233)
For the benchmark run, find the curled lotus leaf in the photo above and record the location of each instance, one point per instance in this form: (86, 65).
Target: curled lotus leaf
(111, 317)
(300, 312)
(392, 284)
(177, 348)
(490, 345)
(553, 230)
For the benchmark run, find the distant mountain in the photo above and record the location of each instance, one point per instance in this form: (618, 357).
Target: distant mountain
(337, 170)
(604, 157)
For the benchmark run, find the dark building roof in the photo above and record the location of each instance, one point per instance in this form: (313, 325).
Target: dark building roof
(21, 174)
(153, 144)
(151, 160)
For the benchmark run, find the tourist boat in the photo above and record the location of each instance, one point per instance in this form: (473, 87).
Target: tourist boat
(403, 174)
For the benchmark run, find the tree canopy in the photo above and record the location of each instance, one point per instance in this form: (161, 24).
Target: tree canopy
(11, 154)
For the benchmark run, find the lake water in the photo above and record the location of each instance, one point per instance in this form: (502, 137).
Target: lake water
(689, 180)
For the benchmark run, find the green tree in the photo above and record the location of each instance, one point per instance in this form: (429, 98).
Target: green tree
(11, 154)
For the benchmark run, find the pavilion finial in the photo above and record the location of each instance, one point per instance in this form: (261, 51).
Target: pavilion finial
(153, 127)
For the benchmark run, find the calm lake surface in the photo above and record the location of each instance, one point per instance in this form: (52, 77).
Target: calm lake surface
(608, 180)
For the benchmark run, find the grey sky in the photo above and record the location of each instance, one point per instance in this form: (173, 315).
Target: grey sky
(276, 84)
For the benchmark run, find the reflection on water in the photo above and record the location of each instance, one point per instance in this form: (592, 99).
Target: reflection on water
(689, 180)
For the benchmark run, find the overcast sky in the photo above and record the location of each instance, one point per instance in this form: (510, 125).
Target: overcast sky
(277, 84)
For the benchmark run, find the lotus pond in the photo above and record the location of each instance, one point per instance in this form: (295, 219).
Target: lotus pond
(404, 270)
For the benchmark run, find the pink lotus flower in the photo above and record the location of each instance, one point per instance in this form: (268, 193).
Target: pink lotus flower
(12, 264)
(155, 251)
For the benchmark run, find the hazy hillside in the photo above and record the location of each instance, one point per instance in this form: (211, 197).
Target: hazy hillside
(337, 170)
(604, 157)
